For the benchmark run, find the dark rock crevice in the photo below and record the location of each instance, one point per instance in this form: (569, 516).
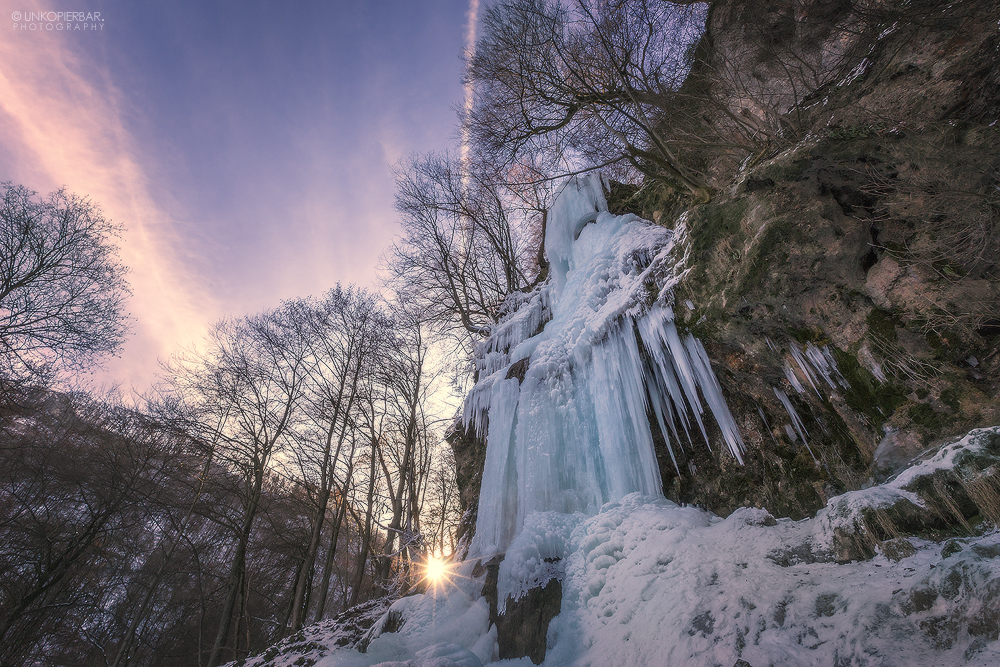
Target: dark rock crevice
(522, 628)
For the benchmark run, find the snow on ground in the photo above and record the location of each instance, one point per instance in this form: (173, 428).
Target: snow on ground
(650, 583)
(647, 582)
(447, 627)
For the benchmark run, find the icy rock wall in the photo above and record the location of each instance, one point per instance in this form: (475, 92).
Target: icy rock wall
(574, 434)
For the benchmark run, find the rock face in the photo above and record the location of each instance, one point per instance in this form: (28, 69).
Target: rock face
(470, 459)
(846, 282)
(845, 279)
(523, 626)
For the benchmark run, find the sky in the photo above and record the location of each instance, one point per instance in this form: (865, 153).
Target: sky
(246, 146)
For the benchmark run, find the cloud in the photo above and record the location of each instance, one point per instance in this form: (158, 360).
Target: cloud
(62, 125)
(245, 170)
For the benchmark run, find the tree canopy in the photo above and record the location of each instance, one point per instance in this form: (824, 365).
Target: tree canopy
(62, 285)
(587, 82)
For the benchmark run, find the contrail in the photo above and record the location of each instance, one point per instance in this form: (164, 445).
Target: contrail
(470, 51)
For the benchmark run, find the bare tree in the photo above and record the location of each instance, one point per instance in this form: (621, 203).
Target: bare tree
(344, 333)
(404, 441)
(75, 478)
(587, 82)
(367, 535)
(176, 523)
(62, 286)
(193, 530)
(465, 242)
(443, 513)
(245, 387)
(340, 525)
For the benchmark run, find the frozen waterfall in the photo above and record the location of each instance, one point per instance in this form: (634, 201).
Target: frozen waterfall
(574, 433)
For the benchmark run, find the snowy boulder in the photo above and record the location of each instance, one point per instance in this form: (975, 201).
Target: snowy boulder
(958, 482)
(751, 516)
(852, 524)
(961, 480)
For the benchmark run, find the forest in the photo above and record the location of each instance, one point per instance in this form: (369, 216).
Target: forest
(282, 470)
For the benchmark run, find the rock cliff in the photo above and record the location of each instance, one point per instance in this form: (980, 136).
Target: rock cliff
(845, 277)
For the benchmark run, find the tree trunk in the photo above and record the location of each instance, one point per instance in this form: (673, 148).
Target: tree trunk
(366, 538)
(236, 572)
(125, 645)
(332, 552)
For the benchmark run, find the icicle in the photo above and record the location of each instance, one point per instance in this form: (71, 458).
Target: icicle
(495, 529)
(712, 392)
(825, 365)
(804, 365)
(665, 377)
(793, 379)
(797, 424)
(815, 362)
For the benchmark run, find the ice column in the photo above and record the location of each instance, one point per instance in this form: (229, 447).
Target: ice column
(574, 434)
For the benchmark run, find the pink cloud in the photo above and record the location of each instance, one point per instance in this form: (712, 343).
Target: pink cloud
(60, 124)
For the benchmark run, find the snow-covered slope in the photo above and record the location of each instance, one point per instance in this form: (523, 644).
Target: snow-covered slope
(647, 582)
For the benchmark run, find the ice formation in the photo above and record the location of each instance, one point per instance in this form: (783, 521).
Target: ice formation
(796, 430)
(602, 353)
(567, 384)
(815, 363)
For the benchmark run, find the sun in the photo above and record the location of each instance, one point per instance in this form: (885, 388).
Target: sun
(436, 571)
